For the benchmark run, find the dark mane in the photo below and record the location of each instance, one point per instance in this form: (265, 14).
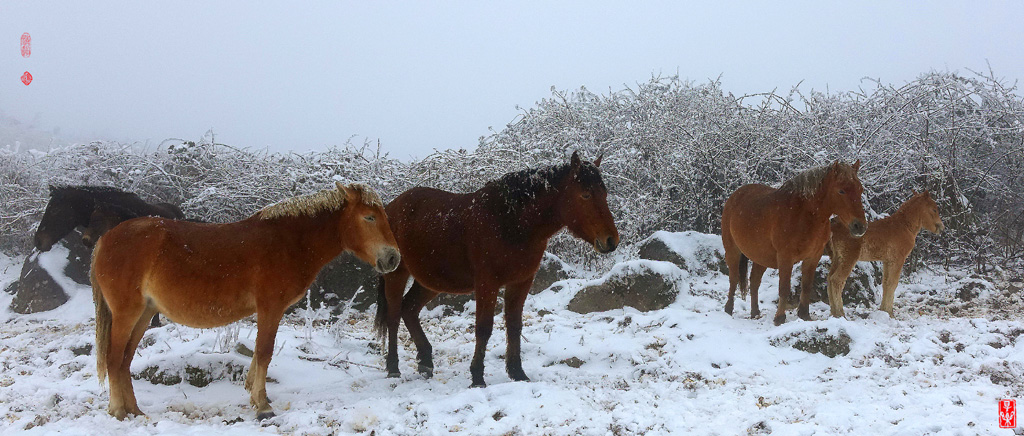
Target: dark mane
(65, 190)
(508, 196)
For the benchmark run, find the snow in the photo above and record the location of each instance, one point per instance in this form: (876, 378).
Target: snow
(686, 369)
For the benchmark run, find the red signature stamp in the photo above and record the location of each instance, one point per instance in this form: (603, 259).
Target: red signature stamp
(1007, 413)
(26, 45)
(26, 78)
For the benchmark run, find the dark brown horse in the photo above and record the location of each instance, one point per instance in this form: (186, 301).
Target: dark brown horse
(483, 241)
(776, 228)
(106, 216)
(208, 275)
(73, 206)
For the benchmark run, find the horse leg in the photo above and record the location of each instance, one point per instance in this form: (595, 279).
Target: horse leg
(486, 297)
(417, 297)
(123, 321)
(891, 270)
(131, 405)
(756, 273)
(267, 322)
(732, 260)
(807, 269)
(838, 272)
(394, 287)
(515, 299)
(785, 274)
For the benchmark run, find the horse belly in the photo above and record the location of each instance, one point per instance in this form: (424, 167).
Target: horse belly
(197, 301)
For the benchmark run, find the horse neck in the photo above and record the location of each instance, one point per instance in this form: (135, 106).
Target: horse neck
(540, 218)
(315, 238)
(909, 216)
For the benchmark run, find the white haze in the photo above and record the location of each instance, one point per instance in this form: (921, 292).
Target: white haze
(434, 75)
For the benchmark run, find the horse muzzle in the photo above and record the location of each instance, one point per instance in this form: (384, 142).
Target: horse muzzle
(388, 260)
(858, 228)
(606, 245)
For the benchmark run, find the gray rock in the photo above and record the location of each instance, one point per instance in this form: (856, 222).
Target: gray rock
(864, 280)
(707, 254)
(635, 284)
(198, 373)
(35, 290)
(970, 290)
(818, 340)
(551, 270)
(343, 281)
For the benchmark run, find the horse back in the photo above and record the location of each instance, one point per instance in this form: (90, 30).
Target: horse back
(767, 224)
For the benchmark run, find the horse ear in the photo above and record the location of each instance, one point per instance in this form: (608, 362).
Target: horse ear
(597, 162)
(856, 165)
(53, 189)
(575, 160)
(913, 191)
(342, 189)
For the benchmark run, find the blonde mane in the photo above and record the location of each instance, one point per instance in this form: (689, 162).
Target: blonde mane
(806, 183)
(328, 200)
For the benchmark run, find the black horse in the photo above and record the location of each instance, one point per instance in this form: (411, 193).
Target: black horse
(77, 206)
(97, 209)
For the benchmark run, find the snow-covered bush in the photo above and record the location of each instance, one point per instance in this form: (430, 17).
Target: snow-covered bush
(673, 152)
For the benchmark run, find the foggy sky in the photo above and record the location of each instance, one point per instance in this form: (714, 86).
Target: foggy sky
(425, 75)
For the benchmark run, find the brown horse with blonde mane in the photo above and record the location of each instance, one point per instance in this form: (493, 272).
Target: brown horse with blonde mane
(209, 275)
(889, 240)
(776, 228)
(483, 241)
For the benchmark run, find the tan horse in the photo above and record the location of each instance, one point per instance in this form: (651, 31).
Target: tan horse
(209, 275)
(889, 240)
(776, 228)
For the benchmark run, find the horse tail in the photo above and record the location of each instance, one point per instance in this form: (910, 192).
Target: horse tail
(744, 277)
(380, 322)
(103, 321)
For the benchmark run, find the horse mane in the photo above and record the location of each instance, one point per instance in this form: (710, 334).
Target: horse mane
(64, 190)
(328, 200)
(511, 193)
(806, 183)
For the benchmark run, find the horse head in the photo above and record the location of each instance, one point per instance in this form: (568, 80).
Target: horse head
(584, 208)
(365, 228)
(63, 213)
(928, 212)
(843, 191)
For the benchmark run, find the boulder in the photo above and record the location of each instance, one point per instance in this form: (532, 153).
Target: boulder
(643, 285)
(830, 342)
(344, 281)
(552, 269)
(697, 253)
(861, 286)
(35, 290)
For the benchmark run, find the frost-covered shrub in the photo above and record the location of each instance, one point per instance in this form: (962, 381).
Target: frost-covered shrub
(673, 151)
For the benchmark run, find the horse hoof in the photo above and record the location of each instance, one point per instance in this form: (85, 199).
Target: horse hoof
(728, 308)
(755, 314)
(779, 319)
(806, 316)
(519, 378)
(478, 385)
(394, 374)
(426, 371)
(264, 415)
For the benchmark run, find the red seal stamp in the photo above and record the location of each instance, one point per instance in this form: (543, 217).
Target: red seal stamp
(26, 45)
(1007, 413)
(26, 78)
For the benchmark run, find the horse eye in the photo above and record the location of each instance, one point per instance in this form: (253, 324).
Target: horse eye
(370, 218)
(842, 192)
(585, 195)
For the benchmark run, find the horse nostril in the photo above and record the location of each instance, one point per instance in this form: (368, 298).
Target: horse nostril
(611, 244)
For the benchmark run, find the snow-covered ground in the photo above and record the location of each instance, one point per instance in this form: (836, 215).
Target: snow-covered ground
(686, 369)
